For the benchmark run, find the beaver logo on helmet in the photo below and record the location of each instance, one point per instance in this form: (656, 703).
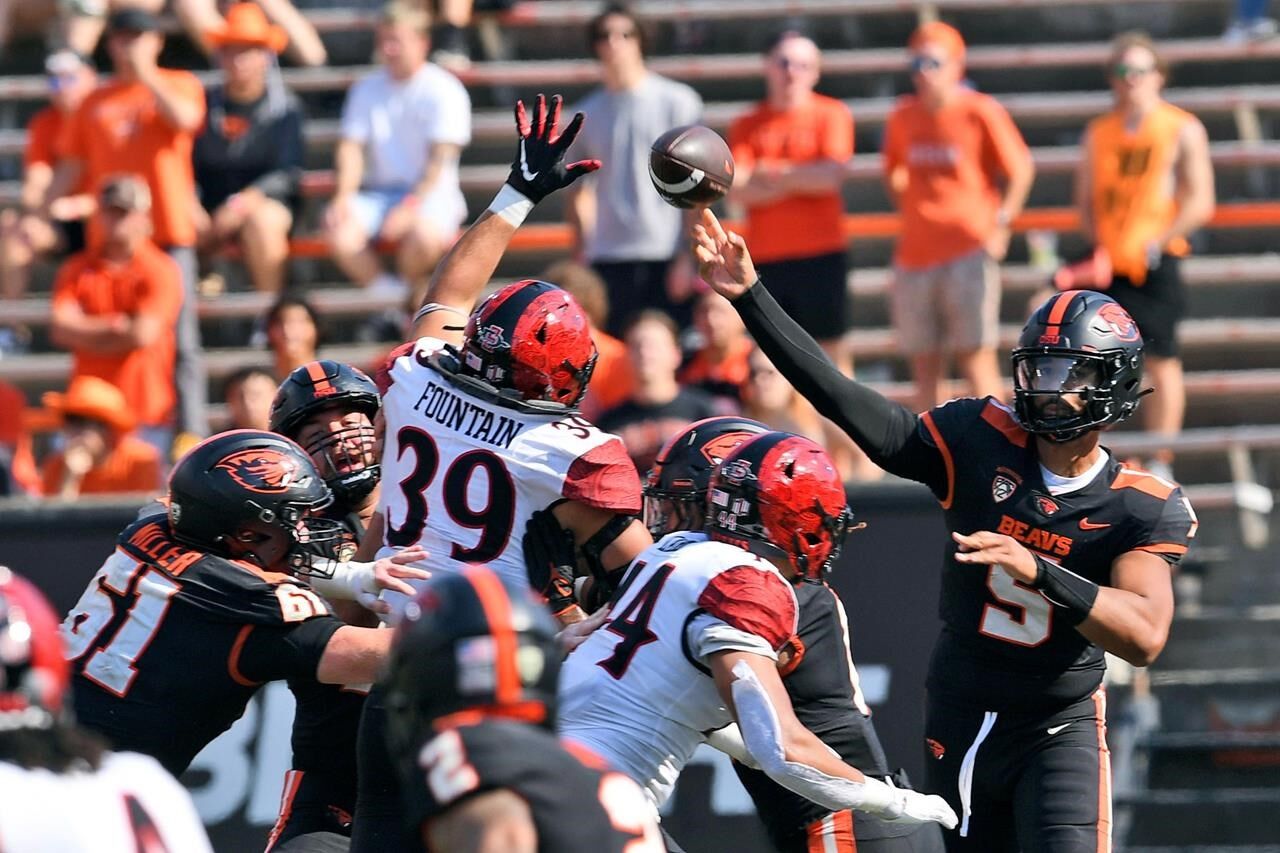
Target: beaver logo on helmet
(1119, 322)
(720, 446)
(262, 470)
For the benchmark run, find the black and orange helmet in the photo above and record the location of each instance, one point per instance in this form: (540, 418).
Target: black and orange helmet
(532, 340)
(675, 491)
(471, 646)
(780, 496)
(249, 475)
(349, 465)
(34, 672)
(1079, 344)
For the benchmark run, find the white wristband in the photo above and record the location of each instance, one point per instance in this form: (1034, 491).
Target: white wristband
(511, 204)
(348, 581)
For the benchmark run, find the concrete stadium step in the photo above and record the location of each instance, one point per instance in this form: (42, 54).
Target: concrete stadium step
(1219, 697)
(527, 74)
(1244, 636)
(1068, 109)
(1209, 759)
(1201, 817)
(1203, 848)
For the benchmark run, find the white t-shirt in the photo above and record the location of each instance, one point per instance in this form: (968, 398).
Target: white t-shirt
(639, 692)
(128, 804)
(397, 122)
(462, 474)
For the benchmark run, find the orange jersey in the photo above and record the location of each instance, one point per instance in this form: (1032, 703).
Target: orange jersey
(119, 128)
(131, 466)
(43, 134)
(718, 376)
(953, 159)
(1133, 185)
(797, 226)
(148, 284)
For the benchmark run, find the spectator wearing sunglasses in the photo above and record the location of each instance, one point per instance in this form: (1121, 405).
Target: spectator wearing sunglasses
(621, 227)
(32, 232)
(959, 173)
(1144, 184)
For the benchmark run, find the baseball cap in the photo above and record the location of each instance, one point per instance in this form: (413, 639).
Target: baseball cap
(133, 20)
(125, 192)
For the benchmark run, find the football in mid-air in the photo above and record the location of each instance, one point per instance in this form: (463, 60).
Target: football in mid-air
(691, 166)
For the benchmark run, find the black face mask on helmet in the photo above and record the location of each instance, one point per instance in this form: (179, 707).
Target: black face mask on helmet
(1077, 367)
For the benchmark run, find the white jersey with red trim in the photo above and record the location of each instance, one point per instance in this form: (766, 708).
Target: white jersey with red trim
(463, 471)
(639, 691)
(128, 804)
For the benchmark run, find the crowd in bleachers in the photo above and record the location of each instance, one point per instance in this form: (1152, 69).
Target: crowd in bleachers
(131, 183)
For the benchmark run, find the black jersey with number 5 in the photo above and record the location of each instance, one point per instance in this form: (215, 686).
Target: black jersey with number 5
(577, 804)
(169, 644)
(1004, 646)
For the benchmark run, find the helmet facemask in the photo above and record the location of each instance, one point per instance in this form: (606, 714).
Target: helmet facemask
(667, 511)
(1063, 394)
(347, 461)
(315, 543)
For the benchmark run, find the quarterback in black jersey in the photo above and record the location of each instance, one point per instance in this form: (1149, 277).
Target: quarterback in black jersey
(1059, 552)
(816, 666)
(328, 408)
(198, 607)
(471, 702)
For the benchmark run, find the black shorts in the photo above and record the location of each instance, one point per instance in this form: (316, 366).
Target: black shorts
(634, 286)
(1022, 782)
(310, 820)
(379, 819)
(813, 291)
(71, 235)
(1157, 305)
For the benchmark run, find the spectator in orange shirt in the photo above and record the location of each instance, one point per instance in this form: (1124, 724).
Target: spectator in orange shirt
(612, 380)
(248, 394)
(959, 172)
(17, 466)
(100, 452)
(293, 334)
(27, 234)
(144, 121)
(791, 152)
(719, 367)
(1144, 184)
(115, 306)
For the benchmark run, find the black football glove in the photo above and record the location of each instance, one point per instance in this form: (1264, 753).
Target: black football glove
(539, 168)
(550, 558)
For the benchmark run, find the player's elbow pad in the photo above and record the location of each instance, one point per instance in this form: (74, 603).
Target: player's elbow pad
(762, 734)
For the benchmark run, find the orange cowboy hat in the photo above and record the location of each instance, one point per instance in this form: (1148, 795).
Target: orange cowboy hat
(93, 399)
(246, 25)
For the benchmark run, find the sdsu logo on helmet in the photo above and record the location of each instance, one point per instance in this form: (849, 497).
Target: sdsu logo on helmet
(737, 471)
(491, 338)
(265, 471)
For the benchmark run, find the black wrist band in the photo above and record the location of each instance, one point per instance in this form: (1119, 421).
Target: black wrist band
(1065, 589)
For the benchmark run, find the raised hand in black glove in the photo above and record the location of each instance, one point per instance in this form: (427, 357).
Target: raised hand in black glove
(550, 558)
(539, 168)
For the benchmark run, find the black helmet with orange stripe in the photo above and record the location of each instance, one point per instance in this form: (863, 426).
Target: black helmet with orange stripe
(530, 340)
(342, 443)
(1077, 366)
(471, 646)
(675, 491)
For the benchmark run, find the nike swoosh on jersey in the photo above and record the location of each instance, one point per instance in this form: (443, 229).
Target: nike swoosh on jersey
(524, 165)
(1086, 524)
(1053, 730)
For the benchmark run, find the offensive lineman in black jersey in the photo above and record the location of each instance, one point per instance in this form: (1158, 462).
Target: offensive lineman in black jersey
(328, 408)
(817, 668)
(198, 607)
(1059, 552)
(471, 702)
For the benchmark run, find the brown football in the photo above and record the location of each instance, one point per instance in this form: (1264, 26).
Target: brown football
(691, 166)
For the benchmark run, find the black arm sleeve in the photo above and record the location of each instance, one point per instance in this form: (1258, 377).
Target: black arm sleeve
(273, 653)
(887, 432)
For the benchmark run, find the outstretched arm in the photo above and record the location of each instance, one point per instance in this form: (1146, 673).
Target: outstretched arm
(886, 431)
(537, 171)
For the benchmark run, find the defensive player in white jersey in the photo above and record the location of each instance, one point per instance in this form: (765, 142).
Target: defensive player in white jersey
(62, 789)
(481, 432)
(693, 637)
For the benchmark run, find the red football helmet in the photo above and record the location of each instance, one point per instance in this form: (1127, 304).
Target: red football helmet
(531, 338)
(34, 675)
(780, 496)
